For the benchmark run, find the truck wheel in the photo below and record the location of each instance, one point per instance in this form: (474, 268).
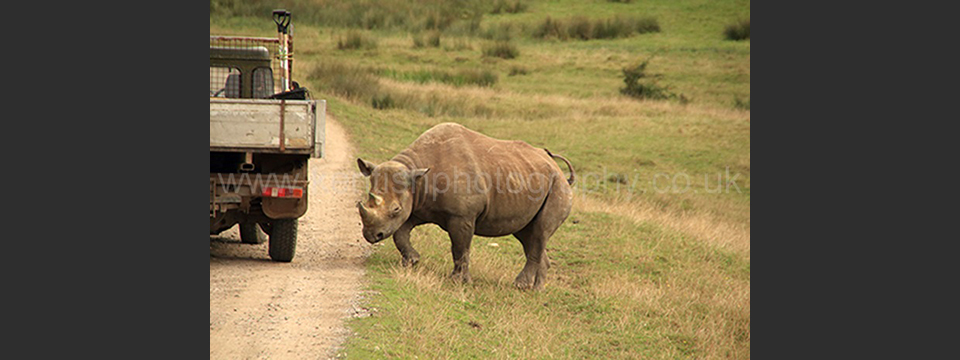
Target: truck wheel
(250, 234)
(283, 239)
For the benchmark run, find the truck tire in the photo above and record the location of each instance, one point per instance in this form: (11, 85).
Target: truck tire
(251, 234)
(283, 239)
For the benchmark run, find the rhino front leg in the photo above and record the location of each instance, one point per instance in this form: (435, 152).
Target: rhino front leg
(461, 234)
(401, 239)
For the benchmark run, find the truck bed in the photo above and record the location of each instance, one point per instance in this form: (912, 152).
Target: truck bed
(255, 125)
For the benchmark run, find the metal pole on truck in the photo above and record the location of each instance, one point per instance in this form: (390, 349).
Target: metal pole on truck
(282, 18)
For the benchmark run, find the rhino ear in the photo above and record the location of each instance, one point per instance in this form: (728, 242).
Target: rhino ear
(366, 167)
(418, 173)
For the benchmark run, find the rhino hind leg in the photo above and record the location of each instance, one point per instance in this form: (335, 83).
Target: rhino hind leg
(534, 237)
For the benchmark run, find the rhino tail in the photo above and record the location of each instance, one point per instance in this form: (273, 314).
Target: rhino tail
(573, 176)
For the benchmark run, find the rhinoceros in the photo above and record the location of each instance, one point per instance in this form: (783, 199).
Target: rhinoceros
(468, 184)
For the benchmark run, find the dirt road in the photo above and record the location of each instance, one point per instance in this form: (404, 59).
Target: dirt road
(261, 309)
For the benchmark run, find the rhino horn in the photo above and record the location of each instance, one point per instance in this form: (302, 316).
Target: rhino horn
(363, 209)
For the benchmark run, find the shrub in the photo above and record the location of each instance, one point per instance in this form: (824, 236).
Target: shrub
(738, 31)
(646, 90)
(356, 40)
(501, 49)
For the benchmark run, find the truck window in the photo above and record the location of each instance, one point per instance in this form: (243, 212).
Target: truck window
(224, 82)
(263, 83)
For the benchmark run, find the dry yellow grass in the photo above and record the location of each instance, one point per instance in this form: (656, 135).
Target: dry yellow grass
(491, 102)
(700, 226)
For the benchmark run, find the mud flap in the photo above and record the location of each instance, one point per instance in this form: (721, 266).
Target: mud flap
(280, 208)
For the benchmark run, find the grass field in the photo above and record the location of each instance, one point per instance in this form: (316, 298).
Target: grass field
(654, 261)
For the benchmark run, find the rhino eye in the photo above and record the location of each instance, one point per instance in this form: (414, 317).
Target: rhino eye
(396, 210)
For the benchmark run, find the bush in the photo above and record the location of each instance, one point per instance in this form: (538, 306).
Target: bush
(356, 40)
(501, 49)
(647, 90)
(738, 31)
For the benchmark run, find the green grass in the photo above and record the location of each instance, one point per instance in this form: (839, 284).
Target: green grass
(617, 290)
(643, 268)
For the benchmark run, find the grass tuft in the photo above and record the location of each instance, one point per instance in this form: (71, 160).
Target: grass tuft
(381, 102)
(518, 70)
(464, 77)
(501, 49)
(581, 28)
(349, 81)
(356, 40)
(741, 104)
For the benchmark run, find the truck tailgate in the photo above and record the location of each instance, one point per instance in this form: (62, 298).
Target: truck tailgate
(258, 125)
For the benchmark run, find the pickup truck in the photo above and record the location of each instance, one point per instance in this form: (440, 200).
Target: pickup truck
(263, 130)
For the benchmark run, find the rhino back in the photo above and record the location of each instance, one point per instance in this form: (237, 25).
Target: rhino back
(502, 183)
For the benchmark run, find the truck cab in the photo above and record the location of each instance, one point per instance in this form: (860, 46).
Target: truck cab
(243, 73)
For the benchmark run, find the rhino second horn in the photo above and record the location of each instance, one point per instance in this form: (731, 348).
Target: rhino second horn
(376, 199)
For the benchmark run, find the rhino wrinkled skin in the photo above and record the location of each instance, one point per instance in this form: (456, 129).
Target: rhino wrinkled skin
(468, 184)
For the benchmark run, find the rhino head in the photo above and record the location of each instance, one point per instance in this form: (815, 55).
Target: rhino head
(390, 200)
